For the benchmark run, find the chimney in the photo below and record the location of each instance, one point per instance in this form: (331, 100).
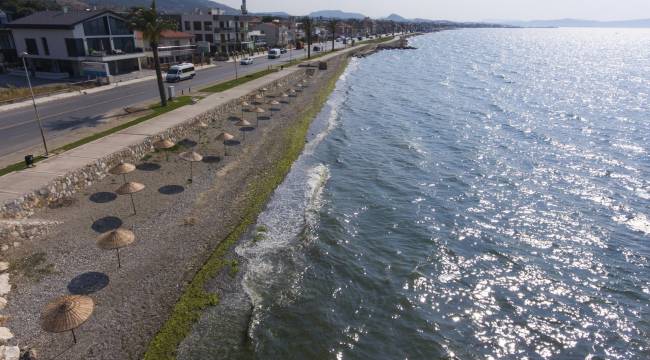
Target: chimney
(243, 7)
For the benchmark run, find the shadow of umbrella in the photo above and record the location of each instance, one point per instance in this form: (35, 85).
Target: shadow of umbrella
(107, 223)
(102, 197)
(88, 283)
(211, 159)
(244, 130)
(187, 143)
(148, 167)
(171, 189)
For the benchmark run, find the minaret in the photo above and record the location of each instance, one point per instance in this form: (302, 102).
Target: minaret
(243, 7)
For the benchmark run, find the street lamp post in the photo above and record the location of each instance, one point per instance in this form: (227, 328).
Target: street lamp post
(38, 118)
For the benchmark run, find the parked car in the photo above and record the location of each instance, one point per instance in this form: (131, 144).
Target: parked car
(274, 54)
(283, 51)
(180, 72)
(316, 48)
(360, 38)
(246, 61)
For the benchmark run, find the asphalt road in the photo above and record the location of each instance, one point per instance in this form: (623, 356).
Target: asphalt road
(19, 130)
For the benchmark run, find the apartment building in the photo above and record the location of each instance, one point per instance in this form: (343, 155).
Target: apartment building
(222, 33)
(276, 34)
(58, 43)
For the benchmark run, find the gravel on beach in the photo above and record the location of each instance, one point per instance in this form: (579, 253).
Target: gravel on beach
(177, 225)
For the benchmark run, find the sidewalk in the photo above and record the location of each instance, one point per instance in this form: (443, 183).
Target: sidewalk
(46, 99)
(23, 186)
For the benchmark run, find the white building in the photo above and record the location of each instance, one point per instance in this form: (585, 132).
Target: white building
(58, 42)
(224, 33)
(277, 35)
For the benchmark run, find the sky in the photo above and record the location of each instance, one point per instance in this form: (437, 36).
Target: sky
(465, 10)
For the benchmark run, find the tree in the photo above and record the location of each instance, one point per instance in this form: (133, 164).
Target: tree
(332, 24)
(147, 21)
(21, 8)
(307, 25)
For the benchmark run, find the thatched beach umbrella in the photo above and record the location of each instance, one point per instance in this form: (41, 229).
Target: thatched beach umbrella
(130, 188)
(224, 136)
(164, 144)
(263, 90)
(258, 111)
(114, 240)
(292, 92)
(66, 314)
(258, 99)
(244, 126)
(244, 105)
(202, 126)
(191, 157)
(122, 169)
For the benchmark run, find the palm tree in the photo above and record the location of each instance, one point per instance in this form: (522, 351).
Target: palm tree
(307, 26)
(147, 21)
(333, 23)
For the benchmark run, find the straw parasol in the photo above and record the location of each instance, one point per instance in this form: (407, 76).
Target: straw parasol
(264, 90)
(244, 105)
(258, 98)
(130, 188)
(191, 157)
(114, 240)
(292, 92)
(243, 124)
(66, 314)
(164, 144)
(258, 111)
(122, 169)
(224, 136)
(202, 126)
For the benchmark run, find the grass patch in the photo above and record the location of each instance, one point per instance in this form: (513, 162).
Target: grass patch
(236, 82)
(188, 308)
(34, 267)
(261, 229)
(13, 93)
(234, 268)
(156, 111)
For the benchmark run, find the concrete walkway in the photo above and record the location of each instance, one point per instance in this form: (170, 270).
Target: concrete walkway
(16, 185)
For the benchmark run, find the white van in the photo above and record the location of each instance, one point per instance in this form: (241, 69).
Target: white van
(275, 53)
(180, 72)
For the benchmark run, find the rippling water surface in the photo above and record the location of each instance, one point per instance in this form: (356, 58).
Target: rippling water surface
(484, 196)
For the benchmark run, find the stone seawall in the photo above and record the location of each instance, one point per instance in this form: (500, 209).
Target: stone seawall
(67, 185)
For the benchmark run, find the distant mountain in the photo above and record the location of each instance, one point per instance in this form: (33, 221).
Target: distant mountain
(162, 5)
(641, 23)
(279, 14)
(396, 18)
(336, 14)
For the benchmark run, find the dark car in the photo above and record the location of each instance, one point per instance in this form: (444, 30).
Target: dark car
(283, 51)
(316, 48)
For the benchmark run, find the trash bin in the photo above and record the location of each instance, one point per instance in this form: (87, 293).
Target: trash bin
(171, 91)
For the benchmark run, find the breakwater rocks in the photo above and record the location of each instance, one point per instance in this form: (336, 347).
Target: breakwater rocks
(400, 43)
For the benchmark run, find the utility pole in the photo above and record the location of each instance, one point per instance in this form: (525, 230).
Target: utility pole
(38, 118)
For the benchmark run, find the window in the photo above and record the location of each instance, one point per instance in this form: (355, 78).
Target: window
(221, 24)
(32, 48)
(197, 25)
(118, 26)
(46, 49)
(75, 47)
(96, 27)
(187, 26)
(209, 38)
(198, 37)
(98, 45)
(126, 44)
(207, 25)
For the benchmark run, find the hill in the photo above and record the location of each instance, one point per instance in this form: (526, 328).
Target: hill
(573, 23)
(337, 14)
(162, 5)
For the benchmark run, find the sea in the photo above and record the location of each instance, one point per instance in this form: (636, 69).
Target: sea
(485, 196)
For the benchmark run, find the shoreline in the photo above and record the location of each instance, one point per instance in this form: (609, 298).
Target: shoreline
(263, 189)
(176, 228)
